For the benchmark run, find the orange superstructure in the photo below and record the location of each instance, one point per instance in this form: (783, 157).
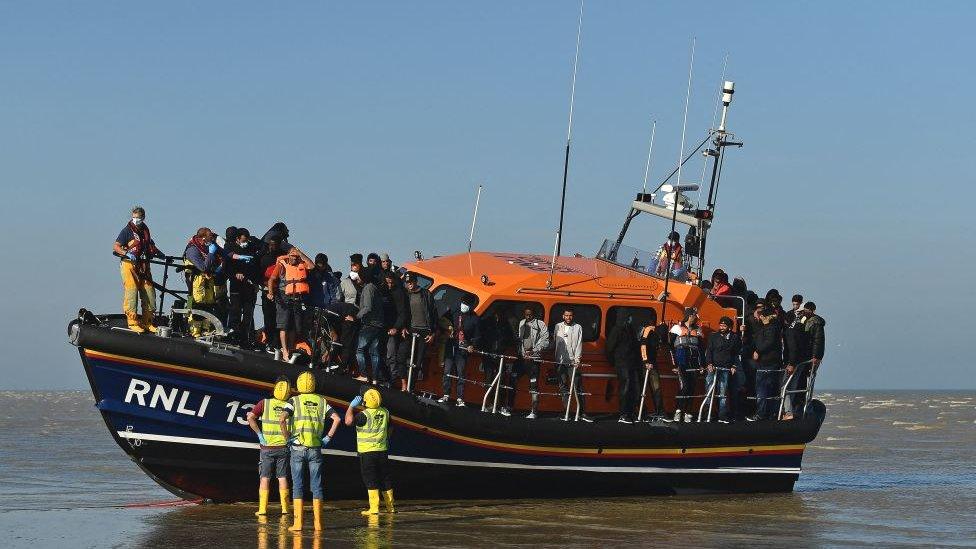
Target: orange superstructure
(594, 288)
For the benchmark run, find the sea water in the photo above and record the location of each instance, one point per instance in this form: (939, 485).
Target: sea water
(888, 469)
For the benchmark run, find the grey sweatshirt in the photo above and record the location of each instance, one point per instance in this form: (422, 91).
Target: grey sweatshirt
(569, 343)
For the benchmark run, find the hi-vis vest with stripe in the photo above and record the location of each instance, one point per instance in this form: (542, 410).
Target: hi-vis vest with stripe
(270, 422)
(308, 419)
(372, 436)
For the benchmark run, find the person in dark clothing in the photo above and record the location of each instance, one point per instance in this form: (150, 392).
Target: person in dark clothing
(324, 284)
(269, 309)
(687, 341)
(279, 232)
(806, 350)
(797, 303)
(394, 299)
(532, 339)
(650, 338)
(622, 352)
(243, 274)
(721, 357)
(767, 341)
(496, 337)
(349, 289)
(370, 316)
(420, 327)
(464, 338)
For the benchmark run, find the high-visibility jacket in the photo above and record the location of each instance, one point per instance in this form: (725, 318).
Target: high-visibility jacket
(295, 278)
(372, 437)
(309, 411)
(271, 422)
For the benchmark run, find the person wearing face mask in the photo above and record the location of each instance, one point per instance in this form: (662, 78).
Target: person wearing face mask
(202, 259)
(242, 274)
(136, 247)
(720, 359)
(464, 339)
(349, 288)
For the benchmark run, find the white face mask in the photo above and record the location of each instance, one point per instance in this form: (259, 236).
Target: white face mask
(353, 275)
(242, 244)
(465, 307)
(137, 221)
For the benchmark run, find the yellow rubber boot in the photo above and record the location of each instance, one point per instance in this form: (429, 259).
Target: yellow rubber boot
(374, 503)
(297, 509)
(283, 493)
(317, 514)
(388, 500)
(147, 322)
(134, 322)
(262, 502)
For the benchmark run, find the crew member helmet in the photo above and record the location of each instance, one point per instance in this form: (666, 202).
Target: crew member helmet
(372, 398)
(305, 383)
(282, 388)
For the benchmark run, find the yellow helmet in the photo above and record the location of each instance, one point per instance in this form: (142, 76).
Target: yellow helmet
(305, 383)
(371, 398)
(282, 389)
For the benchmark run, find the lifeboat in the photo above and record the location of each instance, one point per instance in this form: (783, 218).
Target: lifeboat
(177, 405)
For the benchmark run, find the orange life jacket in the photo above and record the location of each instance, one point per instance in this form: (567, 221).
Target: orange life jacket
(295, 278)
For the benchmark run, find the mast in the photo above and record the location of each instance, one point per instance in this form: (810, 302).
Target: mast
(474, 218)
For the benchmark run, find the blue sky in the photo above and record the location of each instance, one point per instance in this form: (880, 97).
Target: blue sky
(367, 126)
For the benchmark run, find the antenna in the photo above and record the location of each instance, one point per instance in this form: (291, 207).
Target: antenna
(569, 138)
(474, 218)
(569, 131)
(650, 149)
(684, 124)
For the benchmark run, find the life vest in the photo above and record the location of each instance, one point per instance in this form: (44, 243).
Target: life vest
(141, 244)
(688, 337)
(295, 278)
(308, 419)
(270, 422)
(372, 436)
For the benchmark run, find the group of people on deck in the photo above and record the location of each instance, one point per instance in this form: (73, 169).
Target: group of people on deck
(384, 323)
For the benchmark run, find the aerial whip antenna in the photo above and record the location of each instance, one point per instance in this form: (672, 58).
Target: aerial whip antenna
(676, 189)
(718, 101)
(650, 149)
(569, 138)
(474, 218)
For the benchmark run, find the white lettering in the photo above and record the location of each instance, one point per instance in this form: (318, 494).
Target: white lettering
(160, 394)
(182, 409)
(233, 405)
(242, 420)
(138, 389)
(203, 406)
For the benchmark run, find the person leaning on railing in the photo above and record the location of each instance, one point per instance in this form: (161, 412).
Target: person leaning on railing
(568, 335)
(720, 360)
(531, 341)
(650, 338)
(806, 349)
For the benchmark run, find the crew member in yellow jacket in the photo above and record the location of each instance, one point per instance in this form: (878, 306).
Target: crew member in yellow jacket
(274, 445)
(372, 436)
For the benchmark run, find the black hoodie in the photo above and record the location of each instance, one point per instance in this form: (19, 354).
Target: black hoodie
(622, 346)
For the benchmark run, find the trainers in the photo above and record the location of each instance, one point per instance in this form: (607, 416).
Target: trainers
(444, 398)
(530, 416)
(505, 412)
(624, 419)
(723, 421)
(752, 418)
(586, 418)
(677, 415)
(460, 403)
(689, 418)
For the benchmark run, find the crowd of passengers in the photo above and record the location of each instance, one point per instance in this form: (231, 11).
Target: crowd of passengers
(377, 320)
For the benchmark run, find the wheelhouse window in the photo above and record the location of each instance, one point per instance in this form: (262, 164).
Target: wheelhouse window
(448, 298)
(639, 317)
(424, 282)
(587, 316)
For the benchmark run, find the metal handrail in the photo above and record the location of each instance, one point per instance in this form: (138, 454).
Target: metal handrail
(710, 395)
(808, 391)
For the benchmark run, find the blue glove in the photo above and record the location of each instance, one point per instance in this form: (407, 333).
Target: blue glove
(262, 440)
(326, 440)
(131, 256)
(212, 248)
(245, 258)
(356, 402)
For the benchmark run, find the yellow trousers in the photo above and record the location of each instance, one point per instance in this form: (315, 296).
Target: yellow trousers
(137, 288)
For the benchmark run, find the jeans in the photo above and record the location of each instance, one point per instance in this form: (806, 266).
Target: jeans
(793, 402)
(392, 346)
(369, 340)
(455, 360)
(627, 384)
(300, 456)
(565, 372)
(765, 389)
(419, 347)
(721, 380)
(523, 367)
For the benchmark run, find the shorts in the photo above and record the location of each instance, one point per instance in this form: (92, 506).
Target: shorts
(288, 315)
(375, 468)
(273, 463)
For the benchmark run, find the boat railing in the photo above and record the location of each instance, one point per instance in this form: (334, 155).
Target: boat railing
(736, 302)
